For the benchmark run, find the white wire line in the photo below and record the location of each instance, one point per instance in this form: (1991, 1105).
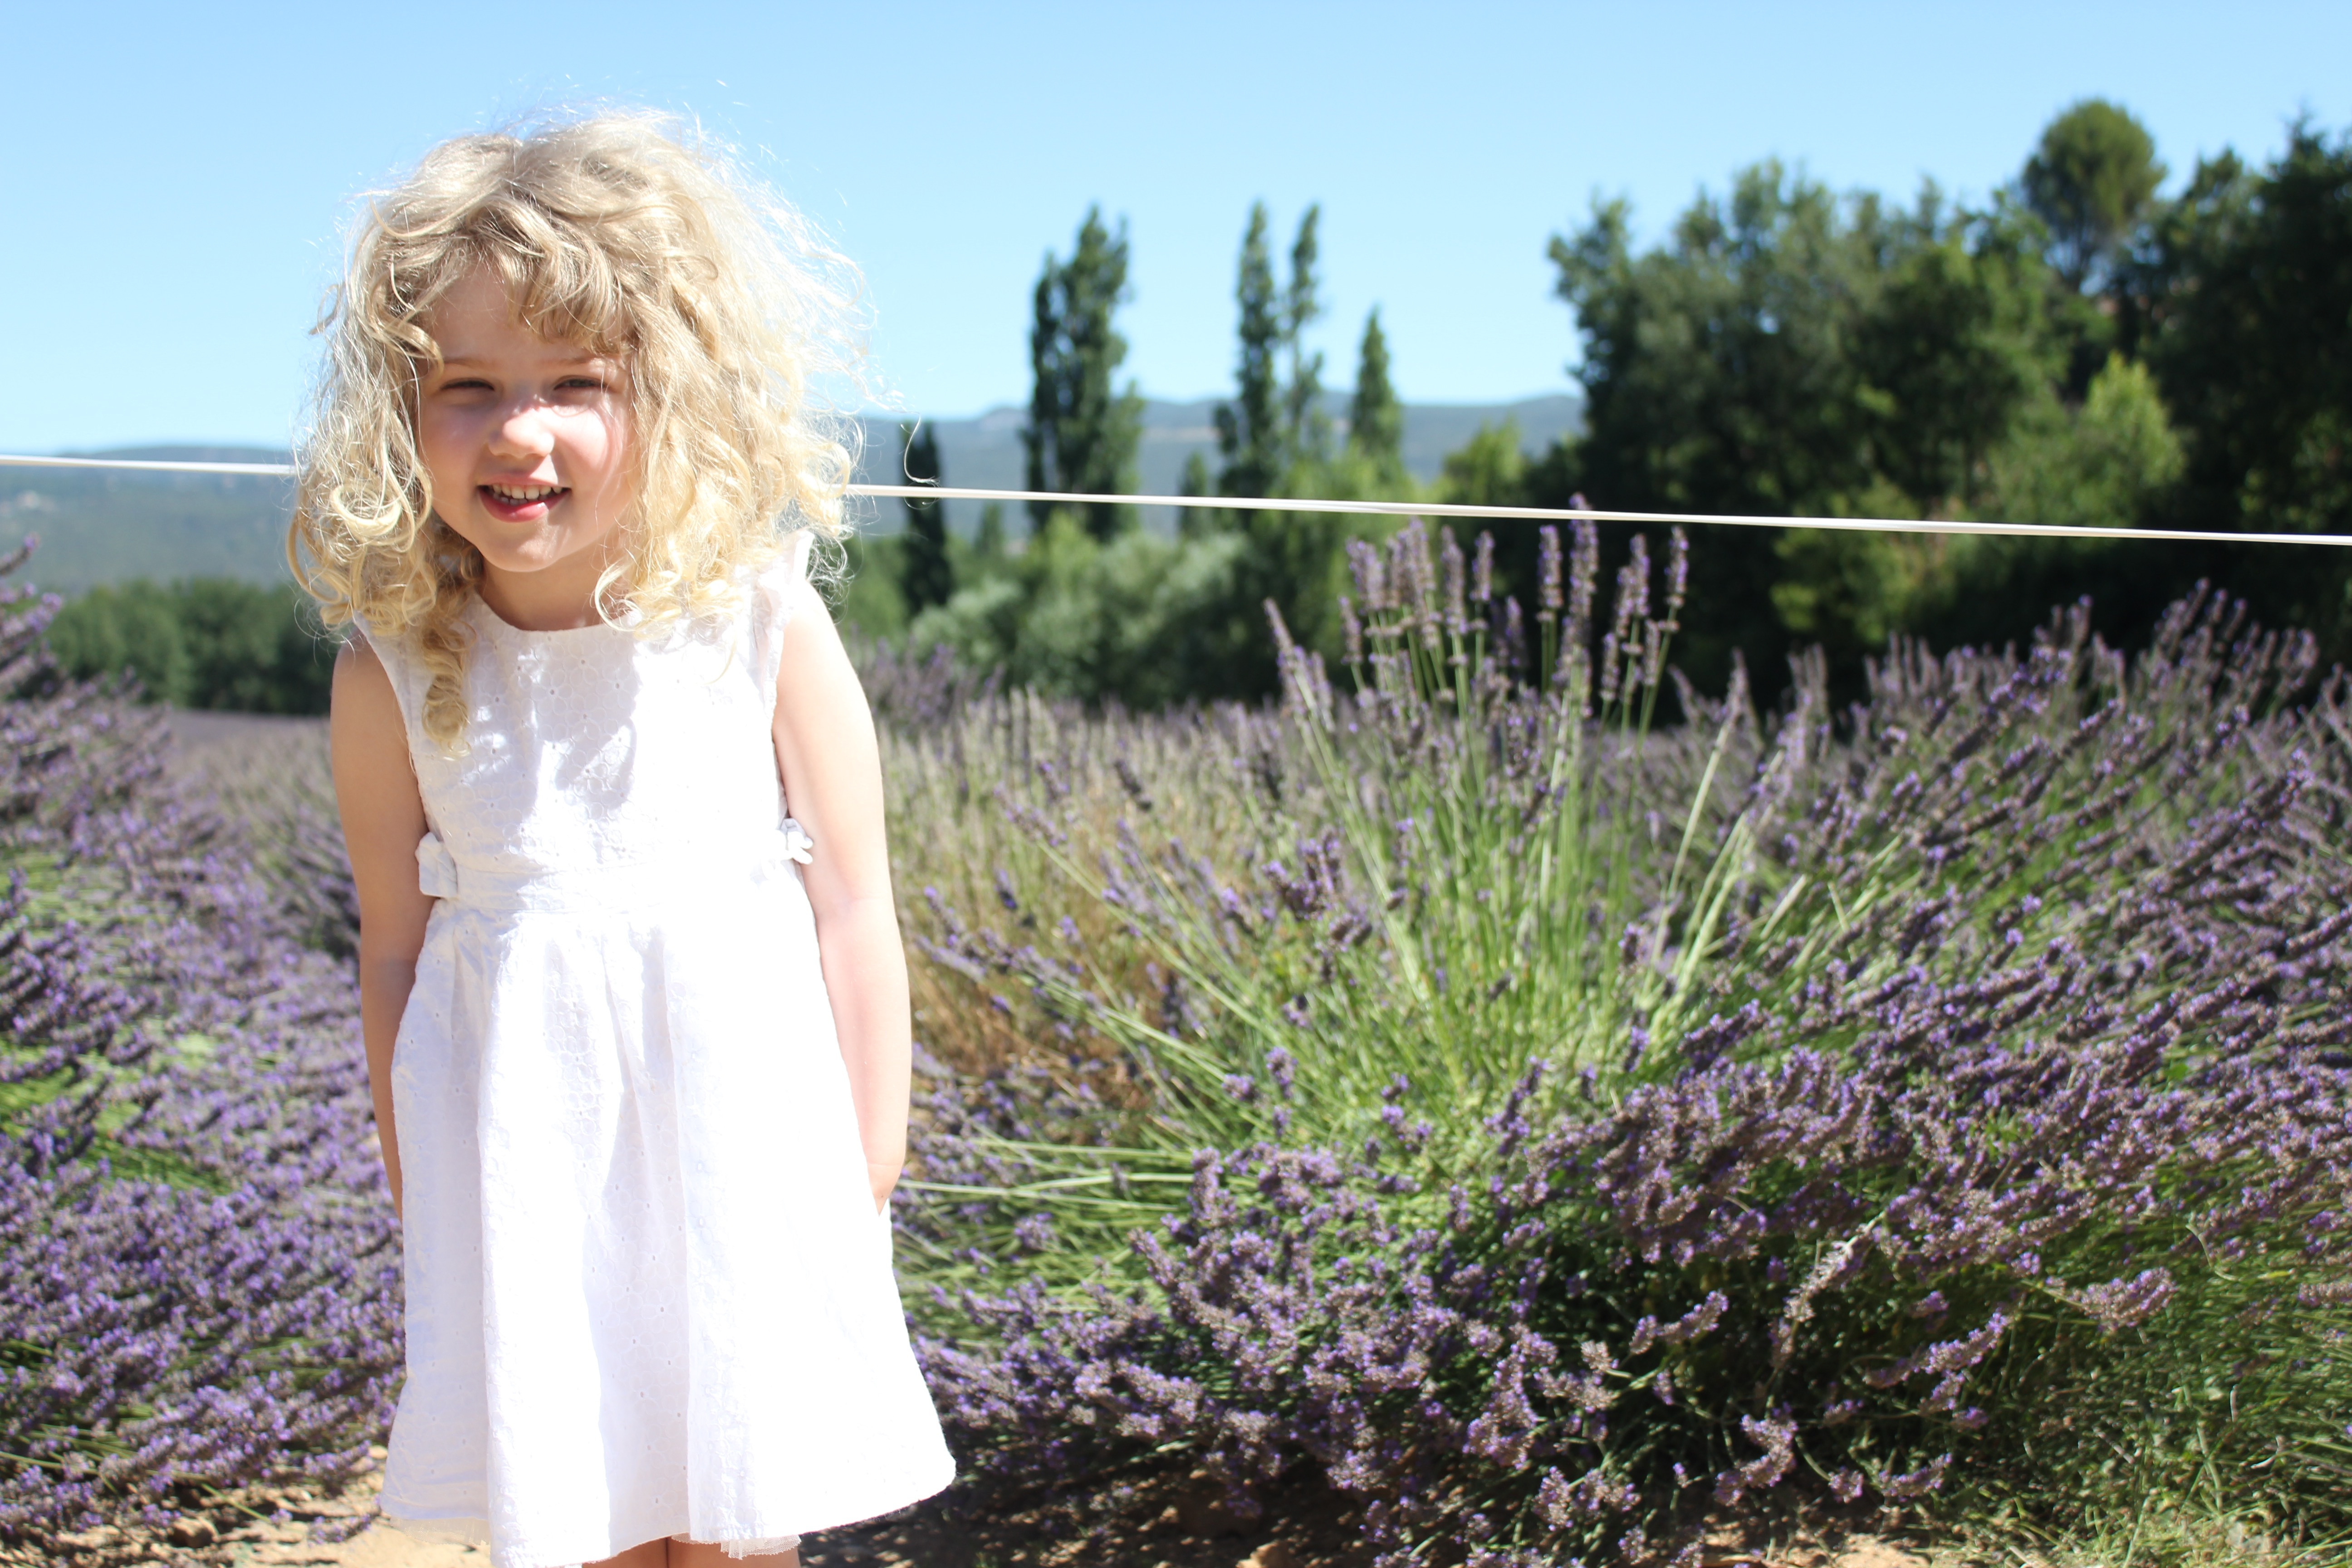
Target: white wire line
(1400, 509)
(1597, 514)
(283, 470)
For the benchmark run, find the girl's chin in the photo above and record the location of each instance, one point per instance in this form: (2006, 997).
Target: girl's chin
(532, 545)
(525, 561)
(553, 553)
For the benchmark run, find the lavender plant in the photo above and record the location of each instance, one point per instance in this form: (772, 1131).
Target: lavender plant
(1578, 1125)
(201, 1286)
(1413, 887)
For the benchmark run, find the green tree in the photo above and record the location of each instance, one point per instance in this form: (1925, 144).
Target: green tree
(1274, 421)
(2108, 462)
(2243, 310)
(988, 543)
(1718, 376)
(200, 642)
(1956, 343)
(2104, 465)
(1082, 434)
(1788, 352)
(925, 575)
(1140, 619)
(1197, 480)
(1147, 619)
(1249, 430)
(1488, 469)
(133, 630)
(1306, 428)
(868, 596)
(2091, 180)
(1375, 418)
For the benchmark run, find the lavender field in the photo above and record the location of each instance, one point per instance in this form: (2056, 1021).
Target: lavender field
(1498, 1108)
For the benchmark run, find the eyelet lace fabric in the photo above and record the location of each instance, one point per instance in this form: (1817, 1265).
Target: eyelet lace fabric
(647, 1293)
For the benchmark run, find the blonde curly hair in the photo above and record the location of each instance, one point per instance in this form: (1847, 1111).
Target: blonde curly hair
(644, 244)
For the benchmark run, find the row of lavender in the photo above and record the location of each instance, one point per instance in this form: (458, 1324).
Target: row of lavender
(201, 1280)
(1545, 1128)
(1538, 1126)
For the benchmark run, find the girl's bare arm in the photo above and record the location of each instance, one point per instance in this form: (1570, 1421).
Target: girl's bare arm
(384, 816)
(832, 770)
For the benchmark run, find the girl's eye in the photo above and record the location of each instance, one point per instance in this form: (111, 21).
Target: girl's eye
(586, 383)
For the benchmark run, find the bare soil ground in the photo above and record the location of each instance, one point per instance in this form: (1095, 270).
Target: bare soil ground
(1170, 1522)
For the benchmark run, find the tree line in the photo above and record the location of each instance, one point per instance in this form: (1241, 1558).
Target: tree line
(2074, 348)
(202, 642)
(1090, 602)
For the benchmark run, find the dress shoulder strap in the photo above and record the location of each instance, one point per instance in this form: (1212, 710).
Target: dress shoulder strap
(772, 598)
(406, 669)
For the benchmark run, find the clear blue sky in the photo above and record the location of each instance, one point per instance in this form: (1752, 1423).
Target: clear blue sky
(175, 177)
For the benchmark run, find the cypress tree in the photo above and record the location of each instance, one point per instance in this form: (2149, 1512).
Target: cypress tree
(1376, 419)
(925, 577)
(1082, 434)
(1307, 428)
(1248, 431)
(1274, 421)
(1192, 521)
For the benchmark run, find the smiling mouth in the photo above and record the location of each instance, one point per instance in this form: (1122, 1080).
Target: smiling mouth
(520, 503)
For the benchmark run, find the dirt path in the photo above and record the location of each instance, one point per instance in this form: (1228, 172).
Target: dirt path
(381, 1546)
(1299, 1532)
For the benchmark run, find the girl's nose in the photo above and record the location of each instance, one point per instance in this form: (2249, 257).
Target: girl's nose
(521, 431)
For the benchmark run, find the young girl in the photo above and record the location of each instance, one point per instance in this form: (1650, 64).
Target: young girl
(636, 1027)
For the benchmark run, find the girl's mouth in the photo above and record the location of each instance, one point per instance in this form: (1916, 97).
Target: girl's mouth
(520, 503)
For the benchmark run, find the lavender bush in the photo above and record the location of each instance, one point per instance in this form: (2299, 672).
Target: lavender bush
(202, 1282)
(1544, 1127)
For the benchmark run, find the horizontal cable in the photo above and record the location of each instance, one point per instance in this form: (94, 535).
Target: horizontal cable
(1597, 514)
(283, 470)
(1403, 509)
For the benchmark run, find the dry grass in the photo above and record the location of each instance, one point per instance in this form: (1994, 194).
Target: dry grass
(956, 790)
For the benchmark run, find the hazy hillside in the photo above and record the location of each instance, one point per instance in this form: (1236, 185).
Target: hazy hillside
(985, 453)
(98, 526)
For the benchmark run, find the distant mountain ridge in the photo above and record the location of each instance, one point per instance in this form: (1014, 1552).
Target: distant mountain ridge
(99, 526)
(985, 452)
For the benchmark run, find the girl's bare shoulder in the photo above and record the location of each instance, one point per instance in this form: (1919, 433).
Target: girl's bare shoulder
(363, 707)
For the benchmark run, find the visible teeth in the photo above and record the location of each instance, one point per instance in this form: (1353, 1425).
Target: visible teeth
(515, 495)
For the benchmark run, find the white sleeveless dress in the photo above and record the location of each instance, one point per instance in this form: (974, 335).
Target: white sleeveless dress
(648, 1292)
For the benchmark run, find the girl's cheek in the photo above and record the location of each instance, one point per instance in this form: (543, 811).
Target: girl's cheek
(447, 441)
(607, 442)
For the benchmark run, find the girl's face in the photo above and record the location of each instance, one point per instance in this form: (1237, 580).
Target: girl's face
(526, 442)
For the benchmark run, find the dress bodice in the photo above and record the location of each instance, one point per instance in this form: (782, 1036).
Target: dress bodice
(595, 755)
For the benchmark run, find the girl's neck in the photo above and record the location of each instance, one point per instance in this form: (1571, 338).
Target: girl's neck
(558, 597)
